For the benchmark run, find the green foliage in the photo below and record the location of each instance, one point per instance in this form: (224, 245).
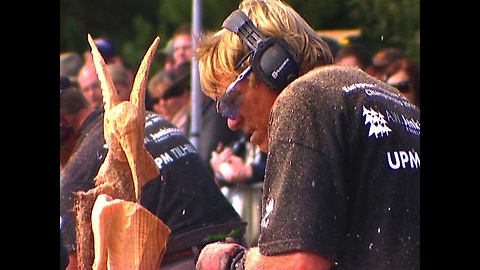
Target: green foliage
(138, 46)
(386, 23)
(215, 11)
(321, 15)
(134, 24)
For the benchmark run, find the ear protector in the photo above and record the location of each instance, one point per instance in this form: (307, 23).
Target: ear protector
(273, 60)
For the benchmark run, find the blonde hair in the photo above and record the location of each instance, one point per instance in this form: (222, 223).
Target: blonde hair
(218, 53)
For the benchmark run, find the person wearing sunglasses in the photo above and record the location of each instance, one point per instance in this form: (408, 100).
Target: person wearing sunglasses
(342, 177)
(170, 91)
(406, 78)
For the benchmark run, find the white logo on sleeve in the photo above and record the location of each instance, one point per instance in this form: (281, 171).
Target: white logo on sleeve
(378, 125)
(268, 211)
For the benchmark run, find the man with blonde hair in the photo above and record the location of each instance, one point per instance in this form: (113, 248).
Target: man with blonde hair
(342, 179)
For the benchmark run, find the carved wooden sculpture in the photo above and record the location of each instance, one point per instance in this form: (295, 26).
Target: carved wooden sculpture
(113, 230)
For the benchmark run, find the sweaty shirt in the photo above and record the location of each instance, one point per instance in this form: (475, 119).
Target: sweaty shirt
(343, 172)
(184, 196)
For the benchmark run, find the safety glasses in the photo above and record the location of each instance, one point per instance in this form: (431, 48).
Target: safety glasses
(228, 103)
(403, 86)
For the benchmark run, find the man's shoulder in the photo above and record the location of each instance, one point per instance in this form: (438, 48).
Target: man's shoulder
(318, 81)
(333, 73)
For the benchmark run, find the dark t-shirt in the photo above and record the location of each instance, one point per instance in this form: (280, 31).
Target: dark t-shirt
(343, 172)
(64, 259)
(184, 196)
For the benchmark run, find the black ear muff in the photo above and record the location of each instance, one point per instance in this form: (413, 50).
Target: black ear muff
(273, 60)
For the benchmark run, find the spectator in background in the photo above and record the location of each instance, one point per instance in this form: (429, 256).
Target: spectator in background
(239, 170)
(122, 80)
(87, 76)
(392, 66)
(177, 51)
(166, 56)
(70, 64)
(182, 45)
(90, 85)
(386, 60)
(172, 96)
(332, 43)
(75, 101)
(406, 78)
(111, 55)
(107, 49)
(157, 86)
(355, 53)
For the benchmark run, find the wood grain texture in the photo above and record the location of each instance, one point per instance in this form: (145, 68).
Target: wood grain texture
(113, 230)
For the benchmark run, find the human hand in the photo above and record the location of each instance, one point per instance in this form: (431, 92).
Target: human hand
(219, 256)
(219, 163)
(237, 172)
(220, 156)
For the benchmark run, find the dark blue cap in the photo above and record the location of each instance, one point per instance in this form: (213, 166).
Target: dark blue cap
(106, 47)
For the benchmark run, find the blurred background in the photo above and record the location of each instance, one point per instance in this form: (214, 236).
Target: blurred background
(133, 24)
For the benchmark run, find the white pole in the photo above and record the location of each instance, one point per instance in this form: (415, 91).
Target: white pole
(196, 95)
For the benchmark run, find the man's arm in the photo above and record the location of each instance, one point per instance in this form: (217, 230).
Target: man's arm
(301, 260)
(220, 256)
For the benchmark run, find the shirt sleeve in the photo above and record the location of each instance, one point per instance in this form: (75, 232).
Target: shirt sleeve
(79, 175)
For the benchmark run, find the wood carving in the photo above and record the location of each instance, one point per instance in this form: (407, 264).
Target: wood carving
(113, 230)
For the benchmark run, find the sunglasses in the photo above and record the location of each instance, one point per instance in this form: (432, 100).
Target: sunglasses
(170, 92)
(403, 86)
(155, 100)
(228, 103)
